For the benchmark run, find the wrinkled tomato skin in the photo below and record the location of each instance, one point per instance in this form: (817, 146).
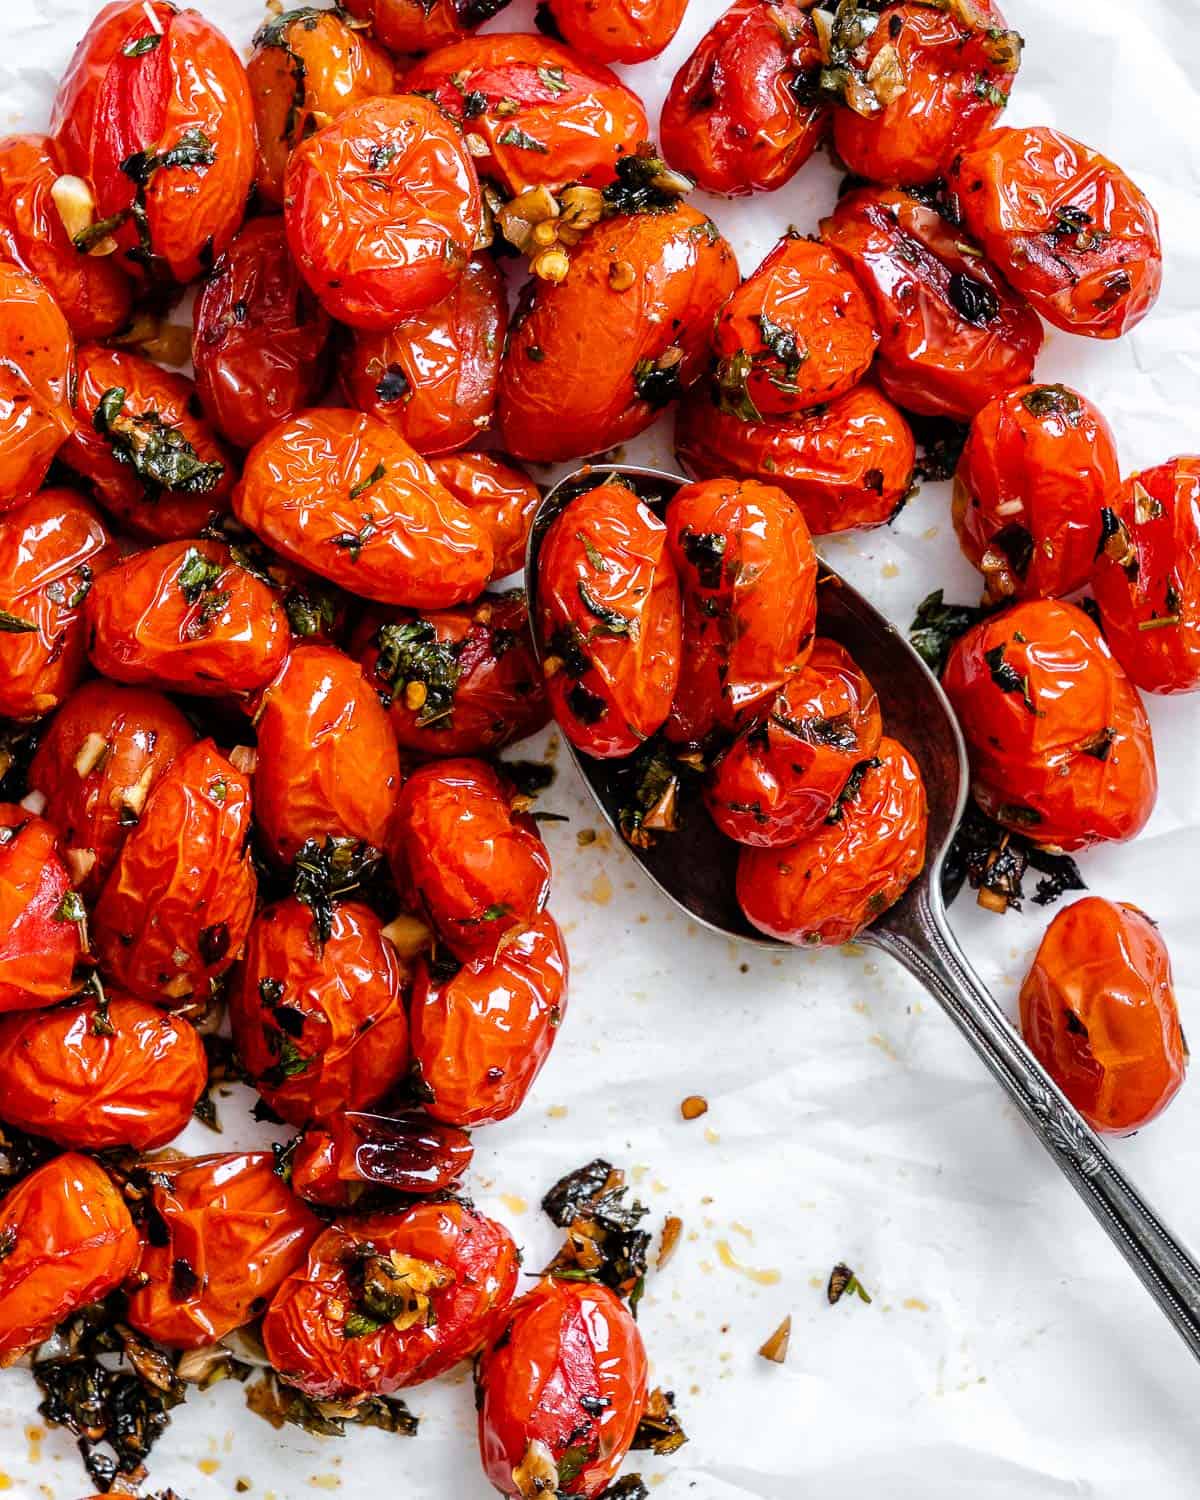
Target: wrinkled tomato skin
(782, 775)
(92, 292)
(409, 1153)
(845, 466)
(73, 1243)
(433, 375)
(383, 210)
(922, 278)
(90, 1089)
(319, 1028)
(177, 906)
(327, 763)
(36, 353)
(259, 336)
(576, 393)
(733, 119)
(421, 25)
(1066, 226)
(501, 497)
(104, 750)
(238, 1229)
(563, 1345)
(1098, 1012)
(618, 31)
(401, 539)
(53, 548)
(1078, 767)
(825, 888)
(1159, 511)
(39, 950)
(305, 1328)
(609, 692)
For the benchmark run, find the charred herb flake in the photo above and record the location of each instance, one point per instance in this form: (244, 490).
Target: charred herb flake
(325, 871)
(1006, 677)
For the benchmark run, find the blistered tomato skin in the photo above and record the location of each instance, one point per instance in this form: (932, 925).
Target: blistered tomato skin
(40, 943)
(1065, 225)
(609, 619)
(822, 890)
(68, 1076)
(36, 351)
(1146, 578)
(226, 1232)
(618, 31)
(345, 1323)
(566, 1376)
(53, 549)
(501, 497)
(1058, 737)
(421, 25)
(335, 1165)
(346, 497)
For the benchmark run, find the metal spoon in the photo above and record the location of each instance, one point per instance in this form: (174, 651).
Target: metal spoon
(695, 868)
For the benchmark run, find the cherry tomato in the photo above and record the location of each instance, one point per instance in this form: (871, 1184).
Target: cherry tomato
(433, 375)
(68, 1240)
(175, 911)
(155, 112)
(422, 25)
(344, 495)
(610, 621)
(1065, 225)
(822, 890)
(1033, 479)
(320, 1026)
(955, 334)
(92, 1076)
(259, 336)
(628, 331)
(104, 750)
(846, 465)
(383, 210)
(327, 763)
(223, 1233)
(36, 351)
(743, 114)
(1059, 740)
(501, 497)
(142, 443)
(41, 927)
(334, 1166)
(387, 1300)
(561, 1391)
(53, 547)
(1147, 576)
(621, 31)
(784, 773)
(1098, 1011)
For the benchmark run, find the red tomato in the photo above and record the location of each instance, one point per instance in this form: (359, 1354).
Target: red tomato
(406, 1153)
(41, 940)
(501, 498)
(36, 351)
(421, 25)
(621, 31)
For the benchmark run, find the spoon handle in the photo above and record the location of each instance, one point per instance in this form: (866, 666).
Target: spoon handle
(919, 937)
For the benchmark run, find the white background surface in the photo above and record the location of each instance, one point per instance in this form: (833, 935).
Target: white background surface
(1008, 1353)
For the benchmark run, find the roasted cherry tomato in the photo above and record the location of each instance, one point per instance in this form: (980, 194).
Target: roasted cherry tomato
(1065, 225)
(421, 25)
(175, 911)
(53, 547)
(742, 114)
(822, 890)
(561, 1391)
(383, 210)
(222, 1234)
(1059, 740)
(955, 334)
(155, 112)
(68, 1240)
(41, 918)
(259, 335)
(599, 354)
(501, 497)
(187, 617)
(345, 496)
(387, 1300)
(1034, 476)
(846, 465)
(433, 375)
(36, 351)
(784, 773)
(335, 1165)
(92, 291)
(105, 749)
(308, 66)
(1147, 576)
(142, 443)
(1098, 1011)
(91, 1075)
(620, 31)
(319, 1024)
(327, 763)
(610, 621)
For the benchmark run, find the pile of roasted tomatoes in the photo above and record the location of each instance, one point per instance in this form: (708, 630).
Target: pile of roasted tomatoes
(257, 658)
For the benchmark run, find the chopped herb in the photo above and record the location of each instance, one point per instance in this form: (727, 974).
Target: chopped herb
(71, 908)
(977, 303)
(1006, 677)
(553, 79)
(496, 912)
(372, 478)
(324, 871)
(156, 450)
(991, 92)
(412, 653)
(568, 646)
(473, 104)
(8, 1240)
(193, 149)
(705, 551)
(632, 1487)
(652, 804)
(14, 625)
(994, 861)
(515, 136)
(612, 622)
(142, 45)
(197, 574)
(659, 1430)
(595, 560)
(279, 1404)
(382, 157)
(361, 1325)
(604, 1241)
(732, 390)
(218, 789)
(645, 184)
(87, 239)
(842, 1280)
(571, 1465)
(657, 381)
(849, 793)
(354, 541)
(309, 613)
(782, 343)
